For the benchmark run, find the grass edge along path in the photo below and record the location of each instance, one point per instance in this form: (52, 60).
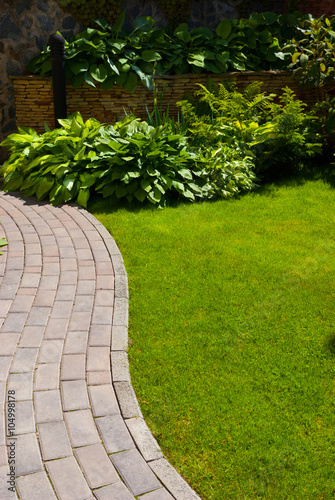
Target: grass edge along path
(233, 338)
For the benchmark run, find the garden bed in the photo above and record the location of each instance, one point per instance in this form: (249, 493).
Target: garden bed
(34, 99)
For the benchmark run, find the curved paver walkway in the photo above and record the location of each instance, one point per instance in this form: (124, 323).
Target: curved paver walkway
(77, 432)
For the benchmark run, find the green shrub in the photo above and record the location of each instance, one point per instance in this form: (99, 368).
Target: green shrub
(313, 51)
(279, 138)
(109, 55)
(130, 160)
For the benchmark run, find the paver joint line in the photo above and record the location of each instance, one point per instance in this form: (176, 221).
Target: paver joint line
(64, 329)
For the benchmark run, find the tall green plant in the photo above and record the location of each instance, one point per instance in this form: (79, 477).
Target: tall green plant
(313, 51)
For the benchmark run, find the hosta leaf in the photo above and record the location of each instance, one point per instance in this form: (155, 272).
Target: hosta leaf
(131, 82)
(78, 66)
(155, 195)
(185, 173)
(44, 187)
(150, 55)
(224, 29)
(140, 194)
(83, 197)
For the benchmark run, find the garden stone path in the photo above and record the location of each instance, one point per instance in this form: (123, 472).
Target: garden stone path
(78, 431)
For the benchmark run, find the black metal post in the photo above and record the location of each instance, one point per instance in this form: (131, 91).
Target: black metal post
(57, 46)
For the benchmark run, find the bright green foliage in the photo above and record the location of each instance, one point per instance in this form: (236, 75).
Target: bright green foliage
(110, 56)
(313, 51)
(3, 242)
(275, 137)
(131, 160)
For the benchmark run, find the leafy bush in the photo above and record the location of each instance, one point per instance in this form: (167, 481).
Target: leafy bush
(313, 51)
(110, 56)
(130, 160)
(275, 137)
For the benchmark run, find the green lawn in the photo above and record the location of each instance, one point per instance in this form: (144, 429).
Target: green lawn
(232, 333)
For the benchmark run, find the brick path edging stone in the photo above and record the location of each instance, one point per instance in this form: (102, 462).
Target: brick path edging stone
(73, 415)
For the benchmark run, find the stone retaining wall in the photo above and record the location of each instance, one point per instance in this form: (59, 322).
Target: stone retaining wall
(34, 99)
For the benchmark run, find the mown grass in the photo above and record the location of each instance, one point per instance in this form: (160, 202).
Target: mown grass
(233, 338)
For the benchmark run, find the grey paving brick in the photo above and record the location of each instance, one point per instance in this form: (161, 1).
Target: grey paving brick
(3, 457)
(115, 491)
(22, 303)
(35, 486)
(103, 400)
(86, 272)
(54, 440)
(24, 360)
(120, 366)
(12, 276)
(47, 377)
(33, 260)
(56, 328)
(22, 384)
(30, 280)
(3, 429)
(85, 287)
(114, 433)
(73, 367)
(74, 395)
(24, 417)
(76, 342)
(170, 478)
(5, 362)
(5, 494)
(119, 338)
(102, 315)
(68, 479)
(81, 427)
(83, 303)
(105, 282)
(51, 351)
(66, 292)
(135, 472)
(100, 335)
(160, 494)
(104, 298)
(104, 268)
(8, 290)
(80, 321)
(28, 458)
(127, 400)
(45, 298)
(14, 322)
(51, 269)
(68, 278)
(98, 358)
(49, 283)
(32, 336)
(120, 317)
(118, 265)
(8, 343)
(96, 466)
(47, 406)
(64, 241)
(4, 307)
(121, 286)
(69, 265)
(99, 378)
(38, 316)
(143, 438)
(84, 254)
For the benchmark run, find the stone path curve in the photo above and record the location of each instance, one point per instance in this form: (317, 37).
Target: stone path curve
(69, 416)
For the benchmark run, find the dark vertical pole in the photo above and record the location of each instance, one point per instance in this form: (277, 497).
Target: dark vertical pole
(57, 46)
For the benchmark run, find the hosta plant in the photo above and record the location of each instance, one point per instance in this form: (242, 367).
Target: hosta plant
(130, 160)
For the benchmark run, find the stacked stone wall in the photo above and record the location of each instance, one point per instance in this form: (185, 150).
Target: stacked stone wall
(34, 99)
(25, 26)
